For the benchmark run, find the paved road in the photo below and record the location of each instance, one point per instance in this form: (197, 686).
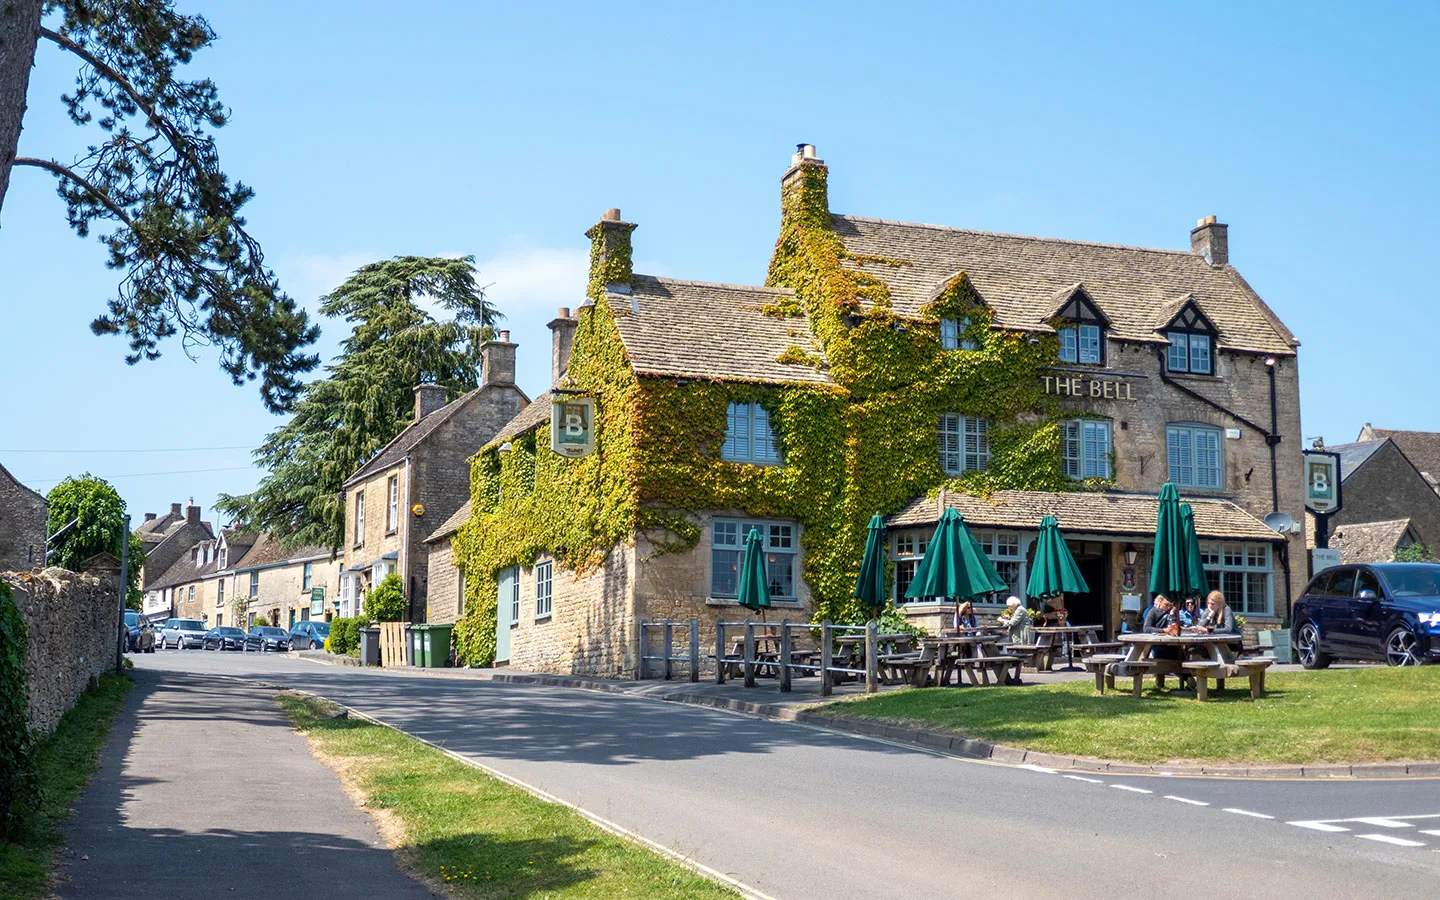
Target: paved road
(204, 791)
(800, 813)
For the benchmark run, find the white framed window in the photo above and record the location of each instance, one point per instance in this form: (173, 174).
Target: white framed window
(543, 596)
(1243, 573)
(1190, 351)
(392, 504)
(1002, 547)
(515, 599)
(748, 436)
(1083, 344)
(220, 593)
(359, 518)
(964, 443)
(909, 550)
(727, 546)
(254, 585)
(1085, 446)
(952, 334)
(1195, 456)
(459, 593)
(307, 577)
(191, 598)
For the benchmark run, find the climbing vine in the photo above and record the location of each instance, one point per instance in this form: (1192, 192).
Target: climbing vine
(864, 444)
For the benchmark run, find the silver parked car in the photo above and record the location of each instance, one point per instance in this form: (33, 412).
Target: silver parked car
(183, 634)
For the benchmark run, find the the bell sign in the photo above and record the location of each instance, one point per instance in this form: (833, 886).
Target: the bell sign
(572, 426)
(1322, 482)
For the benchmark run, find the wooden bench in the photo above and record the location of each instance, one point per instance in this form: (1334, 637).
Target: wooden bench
(1031, 655)
(913, 668)
(985, 665)
(1136, 669)
(1202, 672)
(1099, 664)
(1097, 647)
(1255, 669)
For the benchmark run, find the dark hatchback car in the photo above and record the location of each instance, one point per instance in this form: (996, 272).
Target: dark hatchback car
(266, 637)
(224, 638)
(1388, 612)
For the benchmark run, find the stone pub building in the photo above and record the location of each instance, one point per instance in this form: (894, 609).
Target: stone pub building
(890, 368)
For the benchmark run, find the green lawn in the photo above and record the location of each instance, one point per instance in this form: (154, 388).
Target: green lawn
(1341, 715)
(64, 763)
(477, 837)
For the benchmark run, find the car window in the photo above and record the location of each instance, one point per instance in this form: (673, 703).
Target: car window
(1366, 581)
(1413, 580)
(1320, 587)
(1343, 585)
(190, 624)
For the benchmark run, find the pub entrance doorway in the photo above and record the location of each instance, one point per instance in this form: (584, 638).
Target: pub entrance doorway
(1092, 608)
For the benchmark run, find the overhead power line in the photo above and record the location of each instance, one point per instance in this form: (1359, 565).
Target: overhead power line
(140, 474)
(151, 450)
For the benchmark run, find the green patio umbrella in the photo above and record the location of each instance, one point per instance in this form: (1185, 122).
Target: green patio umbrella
(870, 586)
(1195, 583)
(1167, 573)
(754, 593)
(955, 565)
(1054, 571)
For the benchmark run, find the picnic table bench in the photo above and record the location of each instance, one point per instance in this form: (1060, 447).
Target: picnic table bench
(1201, 656)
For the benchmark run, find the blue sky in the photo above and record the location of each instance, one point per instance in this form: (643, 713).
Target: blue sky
(504, 130)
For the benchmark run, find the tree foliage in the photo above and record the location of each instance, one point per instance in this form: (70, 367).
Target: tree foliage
(1416, 552)
(153, 182)
(100, 528)
(17, 769)
(386, 602)
(367, 398)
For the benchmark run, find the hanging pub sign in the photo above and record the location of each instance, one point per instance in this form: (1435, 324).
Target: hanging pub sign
(1322, 482)
(317, 601)
(572, 426)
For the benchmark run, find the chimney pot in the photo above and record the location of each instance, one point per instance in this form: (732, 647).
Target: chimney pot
(611, 215)
(562, 339)
(564, 313)
(505, 336)
(1211, 240)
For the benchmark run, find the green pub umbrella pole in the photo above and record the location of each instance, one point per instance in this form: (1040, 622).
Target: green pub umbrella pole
(870, 586)
(1054, 571)
(754, 593)
(955, 565)
(1195, 583)
(1167, 573)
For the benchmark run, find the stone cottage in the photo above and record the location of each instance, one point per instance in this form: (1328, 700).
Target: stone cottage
(886, 368)
(421, 477)
(1389, 501)
(167, 538)
(24, 516)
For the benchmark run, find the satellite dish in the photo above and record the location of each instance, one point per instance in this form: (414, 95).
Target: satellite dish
(1280, 522)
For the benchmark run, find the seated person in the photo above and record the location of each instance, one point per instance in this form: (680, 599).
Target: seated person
(1160, 615)
(1218, 618)
(1016, 619)
(965, 616)
(1189, 615)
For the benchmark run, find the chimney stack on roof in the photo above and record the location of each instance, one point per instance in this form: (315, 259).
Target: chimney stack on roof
(428, 398)
(562, 338)
(192, 514)
(1211, 240)
(149, 517)
(175, 510)
(497, 361)
(805, 195)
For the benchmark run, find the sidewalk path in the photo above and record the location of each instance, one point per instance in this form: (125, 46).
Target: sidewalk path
(204, 791)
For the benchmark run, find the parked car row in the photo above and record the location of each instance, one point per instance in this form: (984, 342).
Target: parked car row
(183, 634)
(139, 635)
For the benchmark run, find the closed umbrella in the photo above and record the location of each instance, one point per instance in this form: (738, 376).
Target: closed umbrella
(1195, 583)
(1167, 573)
(1054, 571)
(754, 593)
(870, 586)
(955, 565)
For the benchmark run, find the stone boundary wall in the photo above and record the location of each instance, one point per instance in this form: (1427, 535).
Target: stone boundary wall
(73, 627)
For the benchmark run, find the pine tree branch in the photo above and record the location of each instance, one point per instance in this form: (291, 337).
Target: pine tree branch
(69, 174)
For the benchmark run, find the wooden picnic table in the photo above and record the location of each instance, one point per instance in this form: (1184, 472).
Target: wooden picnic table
(1200, 655)
(1048, 634)
(971, 652)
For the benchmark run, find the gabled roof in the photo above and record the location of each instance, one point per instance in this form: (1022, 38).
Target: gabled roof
(697, 329)
(267, 551)
(417, 432)
(1422, 448)
(34, 495)
(1019, 278)
(452, 524)
(532, 416)
(1085, 512)
(1369, 542)
(1074, 302)
(1185, 312)
(183, 571)
(1353, 456)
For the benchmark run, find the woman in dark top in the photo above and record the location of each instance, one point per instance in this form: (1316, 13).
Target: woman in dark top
(1160, 615)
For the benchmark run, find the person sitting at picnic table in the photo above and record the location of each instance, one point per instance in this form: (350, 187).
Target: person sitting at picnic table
(965, 616)
(1218, 618)
(1016, 618)
(1160, 615)
(1189, 615)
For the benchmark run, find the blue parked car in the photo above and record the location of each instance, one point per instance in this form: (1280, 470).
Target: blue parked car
(1387, 611)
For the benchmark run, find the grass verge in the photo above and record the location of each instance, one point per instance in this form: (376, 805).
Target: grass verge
(64, 762)
(1340, 715)
(474, 836)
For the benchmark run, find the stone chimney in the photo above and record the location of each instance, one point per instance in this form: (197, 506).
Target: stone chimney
(175, 510)
(611, 268)
(149, 517)
(428, 398)
(192, 514)
(497, 361)
(562, 338)
(803, 188)
(1210, 239)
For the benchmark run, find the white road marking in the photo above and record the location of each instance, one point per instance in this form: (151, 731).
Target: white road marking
(1084, 779)
(1380, 822)
(1135, 790)
(1387, 839)
(1246, 812)
(1317, 826)
(1036, 769)
(1436, 833)
(1186, 800)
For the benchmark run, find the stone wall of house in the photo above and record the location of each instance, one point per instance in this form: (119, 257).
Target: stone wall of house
(1388, 487)
(23, 518)
(591, 627)
(445, 596)
(283, 597)
(379, 536)
(74, 630)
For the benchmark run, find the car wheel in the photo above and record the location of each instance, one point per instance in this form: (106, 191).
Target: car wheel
(1400, 648)
(1307, 646)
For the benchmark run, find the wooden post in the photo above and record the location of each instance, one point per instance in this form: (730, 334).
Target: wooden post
(669, 644)
(827, 653)
(872, 660)
(785, 656)
(750, 653)
(719, 652)
(694, 650)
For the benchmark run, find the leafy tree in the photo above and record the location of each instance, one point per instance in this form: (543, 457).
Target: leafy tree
(368, 397)
(386, 601)
(172, 216)
(1416, 552)
(100, 528)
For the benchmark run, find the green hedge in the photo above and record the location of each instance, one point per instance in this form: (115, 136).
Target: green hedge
(345, 633)
(17, 757)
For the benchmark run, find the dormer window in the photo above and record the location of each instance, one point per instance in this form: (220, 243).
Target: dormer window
(1192, 340)
(1081, 327)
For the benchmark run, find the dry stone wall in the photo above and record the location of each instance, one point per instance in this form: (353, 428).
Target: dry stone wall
(73, 625)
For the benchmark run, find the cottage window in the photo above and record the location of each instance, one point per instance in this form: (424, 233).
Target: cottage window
(307, 577)
(254, 585)
(952, 333)
(748, 436)
(1242, 572)
(359, 518)
(1196, 460)
(964, 443)
(459, 593)
(515, 598)
(392, 505)
(909, 550)
(1082, 344)
(220, 592)
(191, 598)
(1190, 352)
(543, 595)
(727, 546)
(1002, 547)
(1085, 446)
